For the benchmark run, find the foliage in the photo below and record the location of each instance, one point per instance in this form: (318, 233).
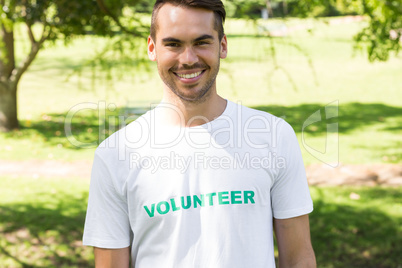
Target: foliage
(298, 8)
(325, 8)
(244, 8)
(64, 18)
(53, 20)
(384, 33)
(382, 37)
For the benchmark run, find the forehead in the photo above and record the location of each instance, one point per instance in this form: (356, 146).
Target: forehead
(175, 21)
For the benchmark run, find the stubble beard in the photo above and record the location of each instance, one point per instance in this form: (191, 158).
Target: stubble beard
(203, 93)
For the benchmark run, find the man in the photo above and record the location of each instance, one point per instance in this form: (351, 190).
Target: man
(198, 181)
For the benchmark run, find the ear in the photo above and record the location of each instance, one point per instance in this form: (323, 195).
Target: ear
(224, 47)
(151, 49)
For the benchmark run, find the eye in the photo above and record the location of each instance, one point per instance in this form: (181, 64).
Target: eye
(201, 43)
(172, 44)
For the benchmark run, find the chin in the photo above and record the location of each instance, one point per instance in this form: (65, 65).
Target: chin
(198, 98)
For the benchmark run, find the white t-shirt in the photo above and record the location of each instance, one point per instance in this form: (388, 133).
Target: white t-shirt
(202, 196)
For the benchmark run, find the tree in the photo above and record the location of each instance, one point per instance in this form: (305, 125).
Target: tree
(47, 21)
(384, 32)
(382, 36)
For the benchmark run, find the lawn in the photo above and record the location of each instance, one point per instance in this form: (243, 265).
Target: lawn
(41, 223)
(42, 219)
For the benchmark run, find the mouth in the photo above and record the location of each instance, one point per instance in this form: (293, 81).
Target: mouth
(189, 77)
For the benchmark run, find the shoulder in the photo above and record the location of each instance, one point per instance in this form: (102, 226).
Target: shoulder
(255, 118)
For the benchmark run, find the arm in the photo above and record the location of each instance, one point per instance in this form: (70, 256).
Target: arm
(112, 258)
(294, 244)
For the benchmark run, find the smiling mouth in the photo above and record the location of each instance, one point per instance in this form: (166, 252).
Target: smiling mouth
(189, 76)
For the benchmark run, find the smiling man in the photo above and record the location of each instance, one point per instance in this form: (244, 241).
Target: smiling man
(187, 42)
(187, 54)
(198, 181)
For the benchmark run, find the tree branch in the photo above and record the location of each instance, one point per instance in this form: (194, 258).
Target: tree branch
(35, 47)
(30, 34)
(45, 35)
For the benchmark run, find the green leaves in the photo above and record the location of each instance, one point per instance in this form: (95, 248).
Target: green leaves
(383, 35)
(66, 18)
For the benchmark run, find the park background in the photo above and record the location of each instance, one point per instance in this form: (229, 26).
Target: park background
(303, 64)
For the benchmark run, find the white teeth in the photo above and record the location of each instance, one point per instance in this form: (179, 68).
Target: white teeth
(189, 76)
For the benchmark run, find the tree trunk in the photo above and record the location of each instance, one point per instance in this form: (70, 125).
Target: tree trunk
(8, 88)
(7, 56)
(10, 75)
(8, 108)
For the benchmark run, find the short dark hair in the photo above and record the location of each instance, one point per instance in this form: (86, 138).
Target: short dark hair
(213, 5)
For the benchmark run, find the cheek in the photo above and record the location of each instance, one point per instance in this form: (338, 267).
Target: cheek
(167, 60)
(206, 56)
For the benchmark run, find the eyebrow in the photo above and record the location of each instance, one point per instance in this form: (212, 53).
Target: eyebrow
(175, 40)
(204, 37)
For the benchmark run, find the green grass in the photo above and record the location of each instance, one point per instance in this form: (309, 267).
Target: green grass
(42, 222)
(357, 233)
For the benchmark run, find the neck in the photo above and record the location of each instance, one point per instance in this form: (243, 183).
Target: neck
(180, 112)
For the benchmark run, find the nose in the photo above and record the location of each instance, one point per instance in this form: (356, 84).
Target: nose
(189, 57)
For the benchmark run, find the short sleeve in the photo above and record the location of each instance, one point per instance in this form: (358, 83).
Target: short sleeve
(107, 222)
(290, 195)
